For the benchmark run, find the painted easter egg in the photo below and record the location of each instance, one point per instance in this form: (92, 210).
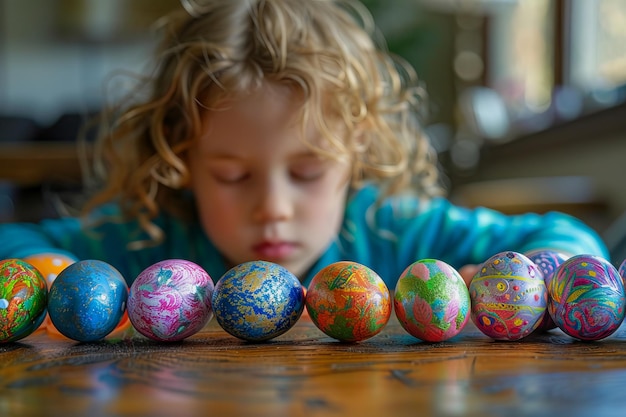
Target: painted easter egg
(348, 301)
(622, 270)
(508, 296)
(87, 300)
(50, 265)
(258, 300)
(587, 298)
(431, 300)
(23, 298)
(170, 300)
(547, 261)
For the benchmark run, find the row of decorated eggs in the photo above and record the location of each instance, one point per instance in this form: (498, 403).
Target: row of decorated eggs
(511, 296)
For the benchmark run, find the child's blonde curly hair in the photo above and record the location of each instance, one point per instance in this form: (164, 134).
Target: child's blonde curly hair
(218, 48)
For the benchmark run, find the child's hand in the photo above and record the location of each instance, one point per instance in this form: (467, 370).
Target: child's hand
(467, 273)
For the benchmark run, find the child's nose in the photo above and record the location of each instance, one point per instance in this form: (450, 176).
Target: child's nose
(274, 202)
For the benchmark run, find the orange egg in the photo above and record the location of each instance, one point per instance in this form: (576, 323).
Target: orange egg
(348, 301)
(50, 265)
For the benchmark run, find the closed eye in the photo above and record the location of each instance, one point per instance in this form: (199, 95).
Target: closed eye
(230, 179)
(229, 174)
(308, 172)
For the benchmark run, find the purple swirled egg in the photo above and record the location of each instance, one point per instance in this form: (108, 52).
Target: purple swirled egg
(587, 298)
(431, 300)
(508, 296)
(548, 261)
(170, 300)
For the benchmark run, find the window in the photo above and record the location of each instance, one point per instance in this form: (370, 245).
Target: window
(598, 45)
(521, 54)
(552, 60)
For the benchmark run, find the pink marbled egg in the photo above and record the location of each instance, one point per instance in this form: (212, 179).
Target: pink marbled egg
(170, 300)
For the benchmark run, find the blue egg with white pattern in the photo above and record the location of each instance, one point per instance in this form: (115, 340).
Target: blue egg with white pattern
(87, 300)
(258, 301)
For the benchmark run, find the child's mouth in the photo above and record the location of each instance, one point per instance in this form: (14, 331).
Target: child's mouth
(274, 250)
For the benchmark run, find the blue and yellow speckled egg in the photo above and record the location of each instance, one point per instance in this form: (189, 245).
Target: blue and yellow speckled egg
(23, 297)
(587, 298)
(548, 261)
(508, 295)
(431, 300)
(170, 300)
(257, 300)
(87, 300)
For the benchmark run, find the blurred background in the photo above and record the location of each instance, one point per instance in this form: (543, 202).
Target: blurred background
(527, 98)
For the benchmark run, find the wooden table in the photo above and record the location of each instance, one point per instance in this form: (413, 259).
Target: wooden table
(303, 372)
(28, 164)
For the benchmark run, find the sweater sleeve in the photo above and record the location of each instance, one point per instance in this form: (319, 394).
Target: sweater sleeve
(19, 240)
(108, 242)
(461, 236)
(404, 229)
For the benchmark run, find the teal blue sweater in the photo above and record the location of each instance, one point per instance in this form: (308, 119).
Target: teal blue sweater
(387, 238)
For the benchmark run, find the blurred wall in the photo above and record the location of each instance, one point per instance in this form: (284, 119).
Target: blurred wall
(585, 157)
(56, 56)
(49, 67)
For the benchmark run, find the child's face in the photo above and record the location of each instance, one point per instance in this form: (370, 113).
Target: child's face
(261, 193)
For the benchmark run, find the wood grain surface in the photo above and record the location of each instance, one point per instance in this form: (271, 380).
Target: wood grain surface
(303, 372)
(30, 164)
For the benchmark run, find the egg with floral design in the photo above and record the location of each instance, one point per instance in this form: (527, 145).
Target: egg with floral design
(431, 300)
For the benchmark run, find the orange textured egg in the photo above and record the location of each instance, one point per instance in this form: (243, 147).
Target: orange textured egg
(348, 301)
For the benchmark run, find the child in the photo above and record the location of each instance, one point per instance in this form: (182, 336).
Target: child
(276, 130)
